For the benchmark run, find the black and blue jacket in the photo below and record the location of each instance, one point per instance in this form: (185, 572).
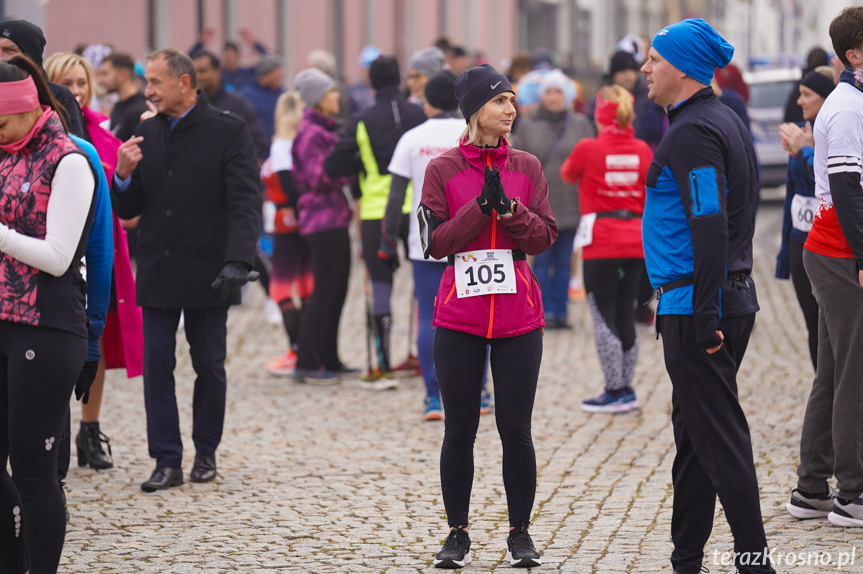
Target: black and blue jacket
(699, 215)
(800, 181)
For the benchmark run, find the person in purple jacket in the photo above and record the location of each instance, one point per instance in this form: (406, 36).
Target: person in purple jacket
(323, 214)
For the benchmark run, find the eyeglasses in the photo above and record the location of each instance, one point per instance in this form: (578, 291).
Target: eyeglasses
(414, 76)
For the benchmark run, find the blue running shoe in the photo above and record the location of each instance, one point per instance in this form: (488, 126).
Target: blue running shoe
(486, 403)
(433, 408)
(621, 401)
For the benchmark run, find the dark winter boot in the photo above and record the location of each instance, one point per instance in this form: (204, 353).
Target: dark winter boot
(89, 442)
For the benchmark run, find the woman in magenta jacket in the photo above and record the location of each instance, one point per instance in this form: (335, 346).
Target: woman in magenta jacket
(122, 341)
(485, 208)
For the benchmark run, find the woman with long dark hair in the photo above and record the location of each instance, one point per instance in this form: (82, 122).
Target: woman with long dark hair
(46, 208)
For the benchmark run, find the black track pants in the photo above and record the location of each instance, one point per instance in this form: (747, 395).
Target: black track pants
(460, 361)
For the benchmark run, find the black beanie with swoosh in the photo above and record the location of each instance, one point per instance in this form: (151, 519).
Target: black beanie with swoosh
(477, 86)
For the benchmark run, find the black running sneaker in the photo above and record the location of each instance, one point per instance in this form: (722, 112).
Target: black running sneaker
(521, 552)
(456, 550)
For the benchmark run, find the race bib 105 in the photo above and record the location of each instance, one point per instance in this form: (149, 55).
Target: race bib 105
(486, 272)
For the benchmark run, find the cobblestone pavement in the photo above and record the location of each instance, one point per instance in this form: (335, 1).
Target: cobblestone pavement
(341, 479)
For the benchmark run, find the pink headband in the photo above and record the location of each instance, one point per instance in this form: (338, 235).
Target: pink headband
(18, 97)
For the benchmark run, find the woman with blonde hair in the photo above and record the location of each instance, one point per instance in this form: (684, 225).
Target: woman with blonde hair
(291, 260)
(484, 208)
(122, 339)
(612, 169)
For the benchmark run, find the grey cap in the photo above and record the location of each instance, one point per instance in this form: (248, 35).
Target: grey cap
(313, 84)
(428, 61)
(267, 64)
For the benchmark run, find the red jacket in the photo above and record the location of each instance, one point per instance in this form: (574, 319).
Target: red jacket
(453, 181)
(612, 168)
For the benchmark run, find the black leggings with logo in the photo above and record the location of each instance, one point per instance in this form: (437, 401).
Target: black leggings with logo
(38, 370)
(460, 362)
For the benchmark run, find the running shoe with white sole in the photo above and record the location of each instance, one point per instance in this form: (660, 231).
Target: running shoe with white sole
(521, 553)
(621, 401)
(456, 550)
(806, 505)
(847, 512)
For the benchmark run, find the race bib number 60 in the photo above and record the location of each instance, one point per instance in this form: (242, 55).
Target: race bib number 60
(486, 272)
(803, 210)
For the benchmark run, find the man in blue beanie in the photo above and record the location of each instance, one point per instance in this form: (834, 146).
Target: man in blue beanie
(699, 218)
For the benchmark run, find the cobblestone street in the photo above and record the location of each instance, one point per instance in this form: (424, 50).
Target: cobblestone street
(341, 479)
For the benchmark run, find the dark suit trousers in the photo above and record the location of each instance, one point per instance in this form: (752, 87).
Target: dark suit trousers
(714, 449)
(206, 332)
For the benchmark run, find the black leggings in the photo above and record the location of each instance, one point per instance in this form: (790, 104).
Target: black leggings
(803, 288)
(460, 362)
(38, 370)
(612, 285)
(319, 326)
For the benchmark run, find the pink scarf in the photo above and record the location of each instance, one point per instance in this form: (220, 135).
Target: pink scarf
(15, 147)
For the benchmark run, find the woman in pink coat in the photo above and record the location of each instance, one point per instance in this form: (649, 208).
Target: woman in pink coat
(484, 207)
(122, 341)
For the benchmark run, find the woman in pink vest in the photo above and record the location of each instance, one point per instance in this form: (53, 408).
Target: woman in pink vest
(47, 200)
(122, 343)
(485, 208)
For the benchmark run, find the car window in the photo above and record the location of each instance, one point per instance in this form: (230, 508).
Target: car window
(770, 94)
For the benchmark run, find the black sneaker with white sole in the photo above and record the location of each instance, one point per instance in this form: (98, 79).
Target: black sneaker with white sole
(521, 553)
(806, 505)
(847, 512)
(456, 550)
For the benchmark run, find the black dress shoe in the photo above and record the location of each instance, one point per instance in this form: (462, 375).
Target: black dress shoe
(204, 469)
(163, 478)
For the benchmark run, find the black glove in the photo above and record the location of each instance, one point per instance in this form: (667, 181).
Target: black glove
(85, 381)
(388, 252)
(488, 197)
(232, 277)
(502, 204)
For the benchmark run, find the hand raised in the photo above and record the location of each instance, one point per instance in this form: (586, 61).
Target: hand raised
(128, 156)
(151, 112)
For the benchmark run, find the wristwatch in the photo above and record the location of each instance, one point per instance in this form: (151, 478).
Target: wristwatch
(513, 207)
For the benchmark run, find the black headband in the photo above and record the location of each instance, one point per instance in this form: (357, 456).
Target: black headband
(818, 83)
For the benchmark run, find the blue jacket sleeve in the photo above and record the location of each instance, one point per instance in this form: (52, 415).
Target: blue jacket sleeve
(99, 255)
(699, 170)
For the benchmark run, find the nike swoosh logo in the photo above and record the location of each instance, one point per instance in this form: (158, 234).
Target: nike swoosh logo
(493, 86)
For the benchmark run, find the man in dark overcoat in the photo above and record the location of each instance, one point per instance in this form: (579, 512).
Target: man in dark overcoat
(191, 174)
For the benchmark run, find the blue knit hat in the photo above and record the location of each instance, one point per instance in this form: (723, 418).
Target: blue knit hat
(694, 48)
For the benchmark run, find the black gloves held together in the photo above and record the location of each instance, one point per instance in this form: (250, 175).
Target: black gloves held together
(493, 196)
(233, 276)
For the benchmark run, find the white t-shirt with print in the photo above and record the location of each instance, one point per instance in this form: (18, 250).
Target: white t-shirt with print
(280, 155)
(416, 148)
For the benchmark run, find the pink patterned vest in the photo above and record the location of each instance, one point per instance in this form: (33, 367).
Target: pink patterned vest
(28, 295)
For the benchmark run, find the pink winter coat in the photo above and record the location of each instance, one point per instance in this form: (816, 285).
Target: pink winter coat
(123, 338)
(453, 181)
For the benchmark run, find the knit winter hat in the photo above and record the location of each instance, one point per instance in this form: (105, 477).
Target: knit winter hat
(368, 55)
(267, 64)
(312, 84)
(428, 61)
(621, 61)
(554, 80)
(27, 36)
(694, 48)
(818, 83)
(477, 86)
(440, 93)
(384, 71)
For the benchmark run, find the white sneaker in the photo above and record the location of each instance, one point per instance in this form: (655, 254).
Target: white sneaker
(847, 512)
